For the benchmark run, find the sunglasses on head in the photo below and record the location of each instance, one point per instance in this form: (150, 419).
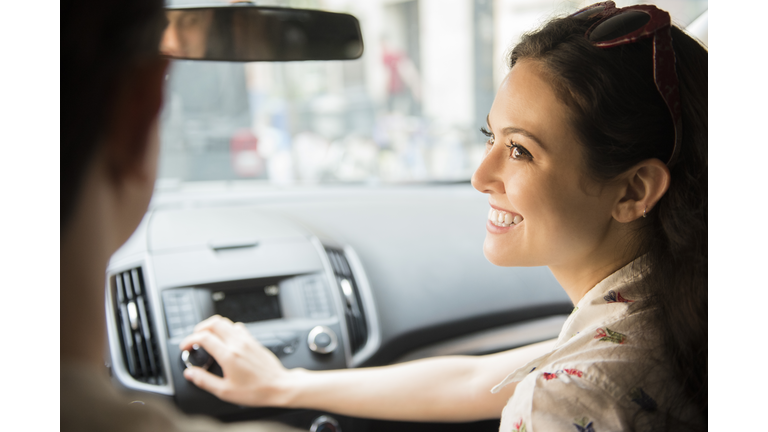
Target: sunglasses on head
(620, 26)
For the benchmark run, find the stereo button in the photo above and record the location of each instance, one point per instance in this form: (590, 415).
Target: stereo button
(322, 340)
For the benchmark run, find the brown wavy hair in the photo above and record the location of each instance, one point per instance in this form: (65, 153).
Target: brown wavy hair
(621, 119)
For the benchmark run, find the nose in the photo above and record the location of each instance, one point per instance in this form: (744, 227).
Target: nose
(170, 43)
(487, 178)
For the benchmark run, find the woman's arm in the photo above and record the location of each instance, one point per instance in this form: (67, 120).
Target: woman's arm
(451, 388)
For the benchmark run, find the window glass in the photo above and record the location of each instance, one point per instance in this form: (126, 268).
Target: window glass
(409, 110)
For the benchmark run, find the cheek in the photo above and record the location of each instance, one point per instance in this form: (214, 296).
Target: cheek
(569, 219)
(559, 214)
(536, 197)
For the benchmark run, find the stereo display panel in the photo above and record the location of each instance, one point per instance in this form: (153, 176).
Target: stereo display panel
(248, 304)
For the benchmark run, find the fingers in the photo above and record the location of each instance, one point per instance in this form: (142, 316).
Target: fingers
(223, 327)
(204, 324)
(210, 342)
(205, 380)
(217, 335)
(216, 324)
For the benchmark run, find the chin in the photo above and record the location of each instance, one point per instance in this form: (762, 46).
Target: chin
(501, 256)
(497, 257)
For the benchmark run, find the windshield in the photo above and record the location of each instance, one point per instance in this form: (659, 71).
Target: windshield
(409, 110)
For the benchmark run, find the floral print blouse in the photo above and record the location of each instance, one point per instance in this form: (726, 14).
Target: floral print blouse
(605, 373)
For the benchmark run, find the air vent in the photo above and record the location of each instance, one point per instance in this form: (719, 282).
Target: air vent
(353, 310)
(135, 326)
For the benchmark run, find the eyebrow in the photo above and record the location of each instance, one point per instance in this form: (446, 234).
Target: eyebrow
(516, 130)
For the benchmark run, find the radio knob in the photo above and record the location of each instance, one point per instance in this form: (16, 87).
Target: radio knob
(325, 424)
(322, 340)
(197, 356)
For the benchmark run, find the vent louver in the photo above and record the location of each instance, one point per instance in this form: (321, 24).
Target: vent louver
(353, 305)
(135, 326)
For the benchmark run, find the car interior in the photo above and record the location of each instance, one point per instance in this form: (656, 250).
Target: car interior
(315, 186)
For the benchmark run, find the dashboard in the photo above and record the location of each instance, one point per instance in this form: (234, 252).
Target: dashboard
(326, 277)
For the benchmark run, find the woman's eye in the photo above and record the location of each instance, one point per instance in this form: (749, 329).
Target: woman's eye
(491, 139)
(518, 152)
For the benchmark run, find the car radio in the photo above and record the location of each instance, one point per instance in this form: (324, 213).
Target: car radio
(292, 316)
(295, 305)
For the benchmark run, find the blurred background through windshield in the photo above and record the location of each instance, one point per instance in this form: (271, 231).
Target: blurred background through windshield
(409, 110)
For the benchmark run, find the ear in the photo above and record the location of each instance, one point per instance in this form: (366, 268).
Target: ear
(139, 97)
(642, 186)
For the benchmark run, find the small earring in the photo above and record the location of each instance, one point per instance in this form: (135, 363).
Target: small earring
(646, 208)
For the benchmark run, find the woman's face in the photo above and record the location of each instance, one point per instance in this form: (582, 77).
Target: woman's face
(533, 174)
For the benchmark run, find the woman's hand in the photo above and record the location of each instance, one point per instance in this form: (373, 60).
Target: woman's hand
(253, 375)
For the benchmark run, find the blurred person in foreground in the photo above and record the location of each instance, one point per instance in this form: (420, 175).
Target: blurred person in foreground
(112, 86)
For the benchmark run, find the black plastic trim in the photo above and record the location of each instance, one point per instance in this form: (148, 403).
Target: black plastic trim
(393, 349)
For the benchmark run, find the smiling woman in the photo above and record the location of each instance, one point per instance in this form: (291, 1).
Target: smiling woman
(616, 205)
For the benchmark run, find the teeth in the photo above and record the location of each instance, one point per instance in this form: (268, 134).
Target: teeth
(503, 219)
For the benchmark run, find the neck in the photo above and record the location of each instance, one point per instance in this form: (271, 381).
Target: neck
(581, 274)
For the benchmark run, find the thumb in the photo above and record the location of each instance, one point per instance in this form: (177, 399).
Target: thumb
(205, 380)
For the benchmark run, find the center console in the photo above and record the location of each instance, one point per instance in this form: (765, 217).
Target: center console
(305, 299)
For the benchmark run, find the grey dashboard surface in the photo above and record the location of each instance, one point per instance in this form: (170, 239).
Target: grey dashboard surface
(420, 245)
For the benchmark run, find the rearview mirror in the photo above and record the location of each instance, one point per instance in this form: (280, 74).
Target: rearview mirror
(251, 33)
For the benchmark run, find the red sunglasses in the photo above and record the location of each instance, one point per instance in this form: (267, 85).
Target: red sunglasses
(620, 26)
